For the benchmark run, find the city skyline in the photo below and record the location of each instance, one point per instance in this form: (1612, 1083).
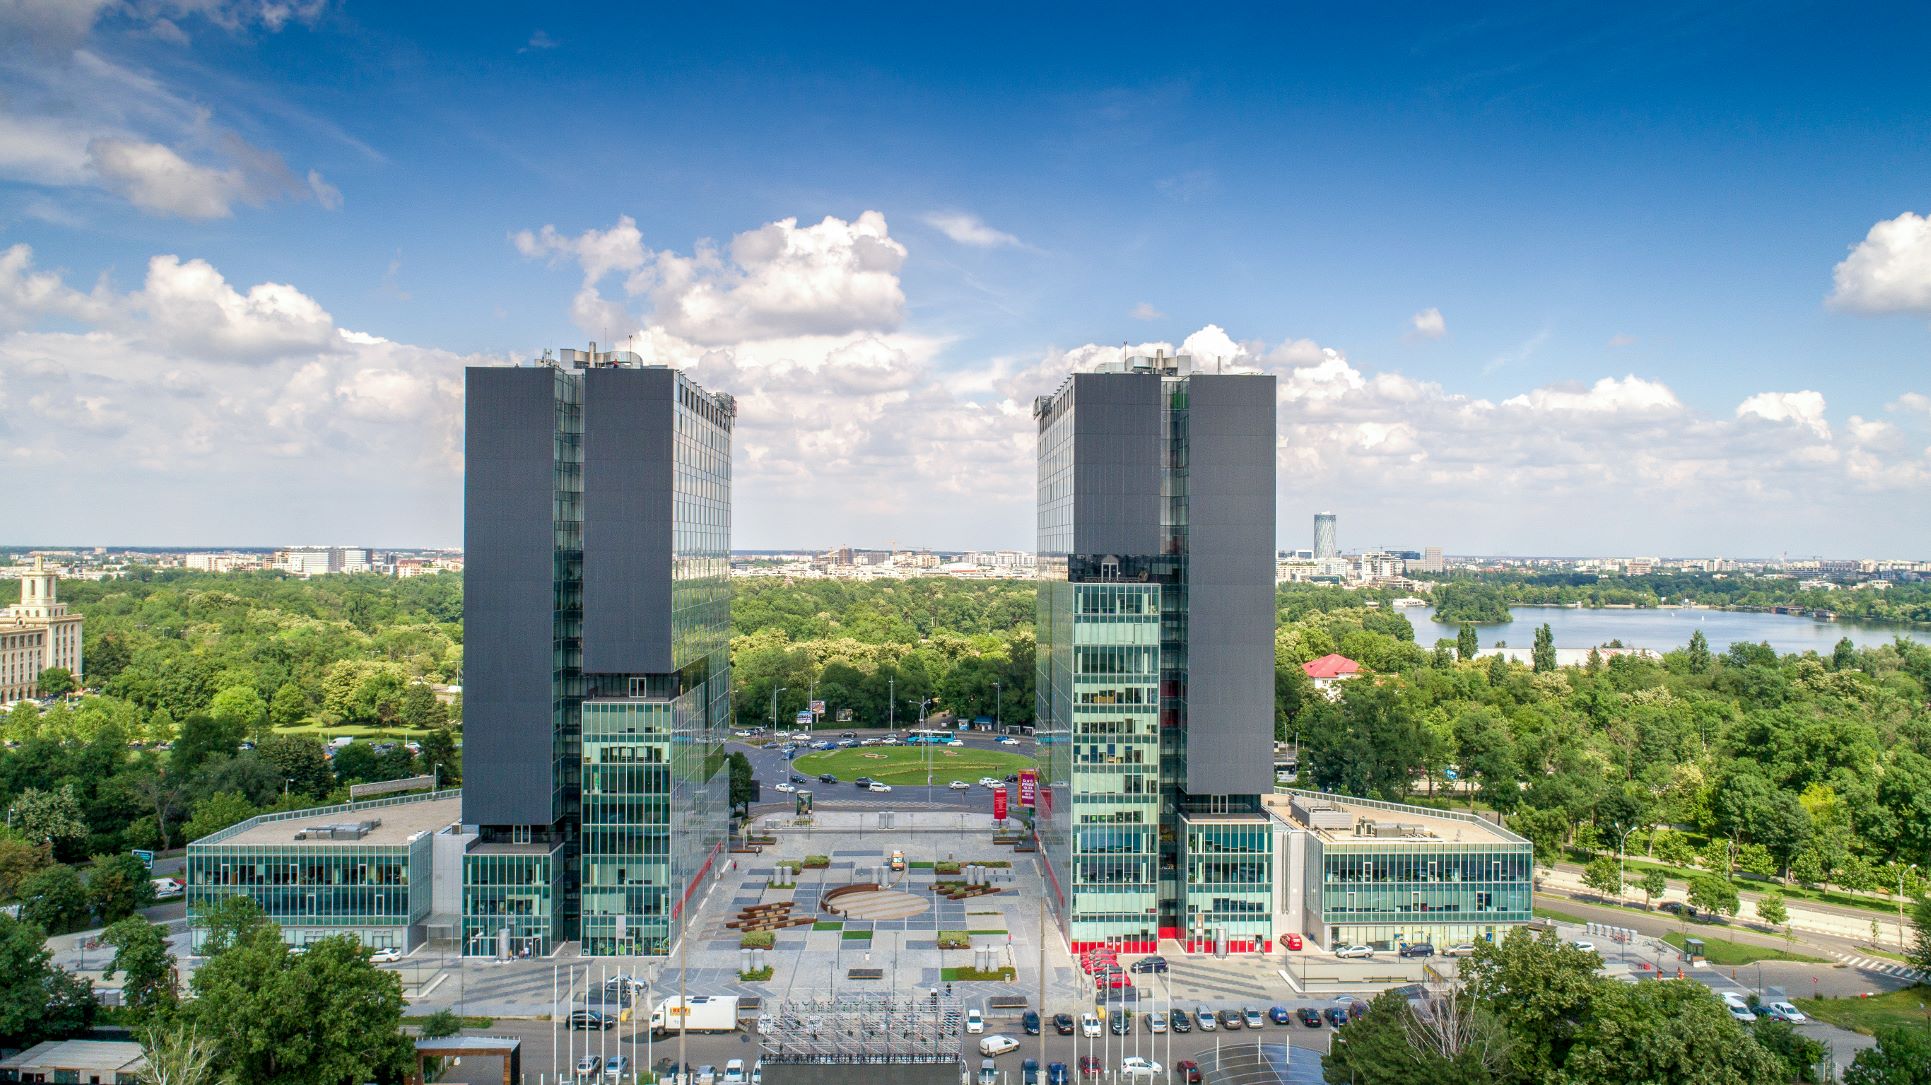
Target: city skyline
(1660, 288)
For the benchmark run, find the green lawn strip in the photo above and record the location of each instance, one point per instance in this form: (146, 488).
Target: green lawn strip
(1558, 916)
(1722, 951)
(858, 936)
(962, 974)
(920, 864)
(1909, 1007)
(1634, 867)
(358, 730)
(467, 1022)
(904, 766)
(1001, 930)
(828, 925)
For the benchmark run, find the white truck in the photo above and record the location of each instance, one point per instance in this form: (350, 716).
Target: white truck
(703, 1013)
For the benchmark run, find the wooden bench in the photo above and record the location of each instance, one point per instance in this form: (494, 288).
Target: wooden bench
(865, 973)
(1006, 1002)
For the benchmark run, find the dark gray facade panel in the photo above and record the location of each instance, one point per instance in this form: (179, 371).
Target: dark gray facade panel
(1117, 456)
(627, 506)
(508, 599)
(1230, 584)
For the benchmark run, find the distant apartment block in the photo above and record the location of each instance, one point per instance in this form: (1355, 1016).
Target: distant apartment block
(36, 633)
(307, 561)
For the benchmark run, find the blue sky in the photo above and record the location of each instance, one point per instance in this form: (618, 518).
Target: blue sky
(1628, 226)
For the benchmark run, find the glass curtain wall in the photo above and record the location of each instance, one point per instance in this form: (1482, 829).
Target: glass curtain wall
(373, 893)
(1386, 895)
(509, 899)
(1229, 883)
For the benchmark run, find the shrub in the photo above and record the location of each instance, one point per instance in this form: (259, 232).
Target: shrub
(816, 862)
(758, 940)
(954, 940)
(756, 975)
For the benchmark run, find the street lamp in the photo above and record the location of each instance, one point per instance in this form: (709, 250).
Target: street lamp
(998, 704)
(774, 708)
(1619, 863)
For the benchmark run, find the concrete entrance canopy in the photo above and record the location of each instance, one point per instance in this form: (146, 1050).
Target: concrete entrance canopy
(509, 1049)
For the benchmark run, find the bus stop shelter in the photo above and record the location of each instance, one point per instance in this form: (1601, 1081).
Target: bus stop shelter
(509, 1049)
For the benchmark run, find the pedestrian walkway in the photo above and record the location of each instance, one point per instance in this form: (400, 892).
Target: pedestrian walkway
(1885, 967)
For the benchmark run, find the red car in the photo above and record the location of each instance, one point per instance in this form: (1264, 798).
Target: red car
(1189, 1071)
(1089, 1066)
(1293, 941)
(1115, 980)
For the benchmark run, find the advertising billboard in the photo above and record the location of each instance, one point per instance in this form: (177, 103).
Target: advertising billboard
(1028, 788)
(999, 804)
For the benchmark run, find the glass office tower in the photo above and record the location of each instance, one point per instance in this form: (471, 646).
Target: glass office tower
(1156, 648)
(596, 638)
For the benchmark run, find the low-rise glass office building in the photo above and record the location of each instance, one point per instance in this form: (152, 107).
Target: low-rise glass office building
(1388, 875)
(362, 869)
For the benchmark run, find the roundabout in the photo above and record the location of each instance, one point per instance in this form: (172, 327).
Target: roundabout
(905, 766)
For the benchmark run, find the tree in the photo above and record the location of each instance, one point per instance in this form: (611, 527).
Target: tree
(241, 709)
(1451, 1039)
(1370, 742)
(20, 860)
(1604, 876)
(118, 886)
(1674, 1032)
(54, 899)
(38, 1001)
(300, 762)
(1466, 642)
(741, 782)
(141, 956)
(1843, 657)
(443, 1022)
(1654, 885)
(440, 756)
(1546, 984)
(228, 922)
(204, 736)
(1902, 1057)
(177, 1055)
(53, 816)
(1802, 1057)
(1920, 952)
(419, 707)
(56, 682)
(1544, 652)
(1714, 894)
(1699, 652)
(288, 707)
(217, 812)
(322, 1017)
(1770, 908)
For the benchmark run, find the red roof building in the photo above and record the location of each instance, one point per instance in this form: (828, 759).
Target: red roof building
(1331, 666)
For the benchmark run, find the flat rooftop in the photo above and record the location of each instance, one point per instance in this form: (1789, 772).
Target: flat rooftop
(400, 821)
(1342, 819)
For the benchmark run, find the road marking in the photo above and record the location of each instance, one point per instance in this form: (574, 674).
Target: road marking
(1889, 968)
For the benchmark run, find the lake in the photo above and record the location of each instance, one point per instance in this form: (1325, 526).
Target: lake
(1664, 629)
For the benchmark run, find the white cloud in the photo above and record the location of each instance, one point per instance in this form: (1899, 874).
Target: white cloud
(1146, 311)
(1889, 271)
(190, 307)
(1428, 324)
(154, 178)
(967, 229)
(1631, 394)
(1804, 409)
(1911, 401)
(326, 194)
(780, 280)
(538, 41)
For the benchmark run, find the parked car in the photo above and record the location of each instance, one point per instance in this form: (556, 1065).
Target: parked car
(1149, 964)
(734, 1072)
(588, 1065)
(385, 955)
(1188, 1071)
(1357, 1009)
(1056, 1074)
(1204, 1017)
(1784, 1011)
(1310, 1016)
(1029, 1021)
(1179, 1021)
(1156, 1022)
(1089, 1065)
(1121, 1023)
(1114, 980)
(996, 1045)
(1419, 949)
(1230, 1020)
(1278, 1015)
(1463, 949)
(1357, 952)
(1741, 1013)
(1063, 1024)
(1029, 1072)
(1252, 1017)
(1135, 1068)
(590, 1019)
(616, 1066)
(1586, 946)
(1294, 942)
(1089, 1025)
(975, 1022)
(1336, 1015)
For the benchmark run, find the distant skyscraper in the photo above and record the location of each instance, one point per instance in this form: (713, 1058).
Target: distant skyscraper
(1156, 655)
(1324, 536)
(597, 533)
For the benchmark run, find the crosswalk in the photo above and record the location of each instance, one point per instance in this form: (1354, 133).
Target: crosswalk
(1888, 968)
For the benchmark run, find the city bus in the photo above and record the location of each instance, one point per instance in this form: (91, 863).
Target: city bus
(927, 736)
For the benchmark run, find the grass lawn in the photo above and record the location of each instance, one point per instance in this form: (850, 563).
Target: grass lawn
(1722, 951)
(1557, 916)
(829, 925)
(905, 765)
(1866, 1015)
(858, 936)
(359, 731)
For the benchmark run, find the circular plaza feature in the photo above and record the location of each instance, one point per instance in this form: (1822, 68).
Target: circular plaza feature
(873, 902)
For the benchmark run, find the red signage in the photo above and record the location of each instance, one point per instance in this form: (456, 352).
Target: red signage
(999, 804)
(1028, 788)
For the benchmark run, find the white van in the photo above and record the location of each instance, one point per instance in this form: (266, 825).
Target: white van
(975, 1022)
(734, 1072)
(993, 1046)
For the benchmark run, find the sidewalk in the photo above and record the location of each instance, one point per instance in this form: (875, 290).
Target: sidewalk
(1804, 915)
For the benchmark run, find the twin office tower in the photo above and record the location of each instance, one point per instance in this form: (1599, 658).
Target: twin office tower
(597, 513)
